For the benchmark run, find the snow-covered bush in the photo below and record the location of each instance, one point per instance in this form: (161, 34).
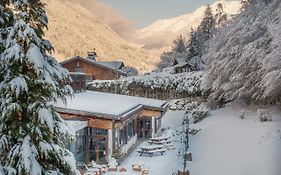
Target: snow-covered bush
(194, 110)
(188, 83)
(180, 104)
(199, 113)
(264, 115)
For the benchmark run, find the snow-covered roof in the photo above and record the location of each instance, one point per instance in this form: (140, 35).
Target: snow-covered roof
(107, 105)
(180, 60)
(182, 64)
(117, 65)
(93, 62)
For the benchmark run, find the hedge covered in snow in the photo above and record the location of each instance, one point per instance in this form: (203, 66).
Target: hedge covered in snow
(187, 83)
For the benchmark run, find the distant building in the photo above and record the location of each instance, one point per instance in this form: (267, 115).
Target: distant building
(179, 60)
(94, 70)
(117, 65)
(181, 66)
(107, 122)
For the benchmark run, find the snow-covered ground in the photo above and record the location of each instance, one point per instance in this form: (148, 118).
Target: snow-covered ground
(226, 145)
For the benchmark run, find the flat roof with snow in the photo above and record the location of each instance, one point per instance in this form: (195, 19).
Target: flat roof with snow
(108, 105)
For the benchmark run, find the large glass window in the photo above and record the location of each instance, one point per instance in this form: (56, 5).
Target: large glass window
(158, 123)
(97, 131)
(98, 143)
(78, 147)
(130, 129)
(123, 136)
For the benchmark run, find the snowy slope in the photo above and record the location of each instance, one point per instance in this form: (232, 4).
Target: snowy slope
(226, 145)
(229, 145)
(166, 30)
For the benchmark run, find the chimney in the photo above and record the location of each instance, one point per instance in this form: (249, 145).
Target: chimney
(92, 56)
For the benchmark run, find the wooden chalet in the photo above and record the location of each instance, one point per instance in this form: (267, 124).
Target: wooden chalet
(106, 123)
(183, 67)
(92, 69)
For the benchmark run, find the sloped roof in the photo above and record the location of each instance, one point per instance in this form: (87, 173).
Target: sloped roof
(182, 65)
(117, 65)
(94, 63)
(180, 60)
(107, 105)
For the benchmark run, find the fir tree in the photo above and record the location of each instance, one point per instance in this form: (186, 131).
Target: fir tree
(5, 21)
(166, 60)
(199, 39)
(220, 16)
(179, 45)
(207, 26)
(195, 50)
(179, 50)
(31, 132)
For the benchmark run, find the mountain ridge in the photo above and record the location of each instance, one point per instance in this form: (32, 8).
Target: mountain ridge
(172, 27)
(73, 30)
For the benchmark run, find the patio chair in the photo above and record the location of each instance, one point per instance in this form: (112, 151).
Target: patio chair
(112, 165)
(122, 170)
(137, 166)
(145, 171)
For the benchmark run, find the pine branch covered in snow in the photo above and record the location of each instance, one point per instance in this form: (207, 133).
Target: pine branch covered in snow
(32, 134)
(244, 60)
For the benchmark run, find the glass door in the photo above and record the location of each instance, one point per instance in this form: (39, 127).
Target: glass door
(98, 144)
(144, 126)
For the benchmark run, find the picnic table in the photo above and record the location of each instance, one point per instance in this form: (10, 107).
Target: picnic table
(152, 149)
(160, 140)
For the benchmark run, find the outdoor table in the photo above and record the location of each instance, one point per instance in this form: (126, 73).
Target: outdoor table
(152, 149)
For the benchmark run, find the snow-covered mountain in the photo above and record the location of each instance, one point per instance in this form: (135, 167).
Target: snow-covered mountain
(162, 32)
(74, 30)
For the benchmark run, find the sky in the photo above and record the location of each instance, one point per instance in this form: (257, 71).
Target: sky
(144, 12)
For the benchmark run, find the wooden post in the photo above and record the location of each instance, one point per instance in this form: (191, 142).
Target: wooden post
(87, 153)
(183, 173)
(113, 135)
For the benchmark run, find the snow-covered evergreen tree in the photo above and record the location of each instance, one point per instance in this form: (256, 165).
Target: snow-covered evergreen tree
(5, 20)
(220, 16)
(166, 60)
(179, 45)
(31, 132)
(195, 51)
(199, 39)
(178, 51)
(207, 26)
(244, 60)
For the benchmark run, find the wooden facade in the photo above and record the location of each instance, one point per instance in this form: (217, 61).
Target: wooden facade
(181, 68)
(104, 135)
(93, 68)
(78, 82)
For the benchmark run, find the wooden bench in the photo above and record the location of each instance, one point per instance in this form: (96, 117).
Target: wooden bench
(163, 142)
(151, 152)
